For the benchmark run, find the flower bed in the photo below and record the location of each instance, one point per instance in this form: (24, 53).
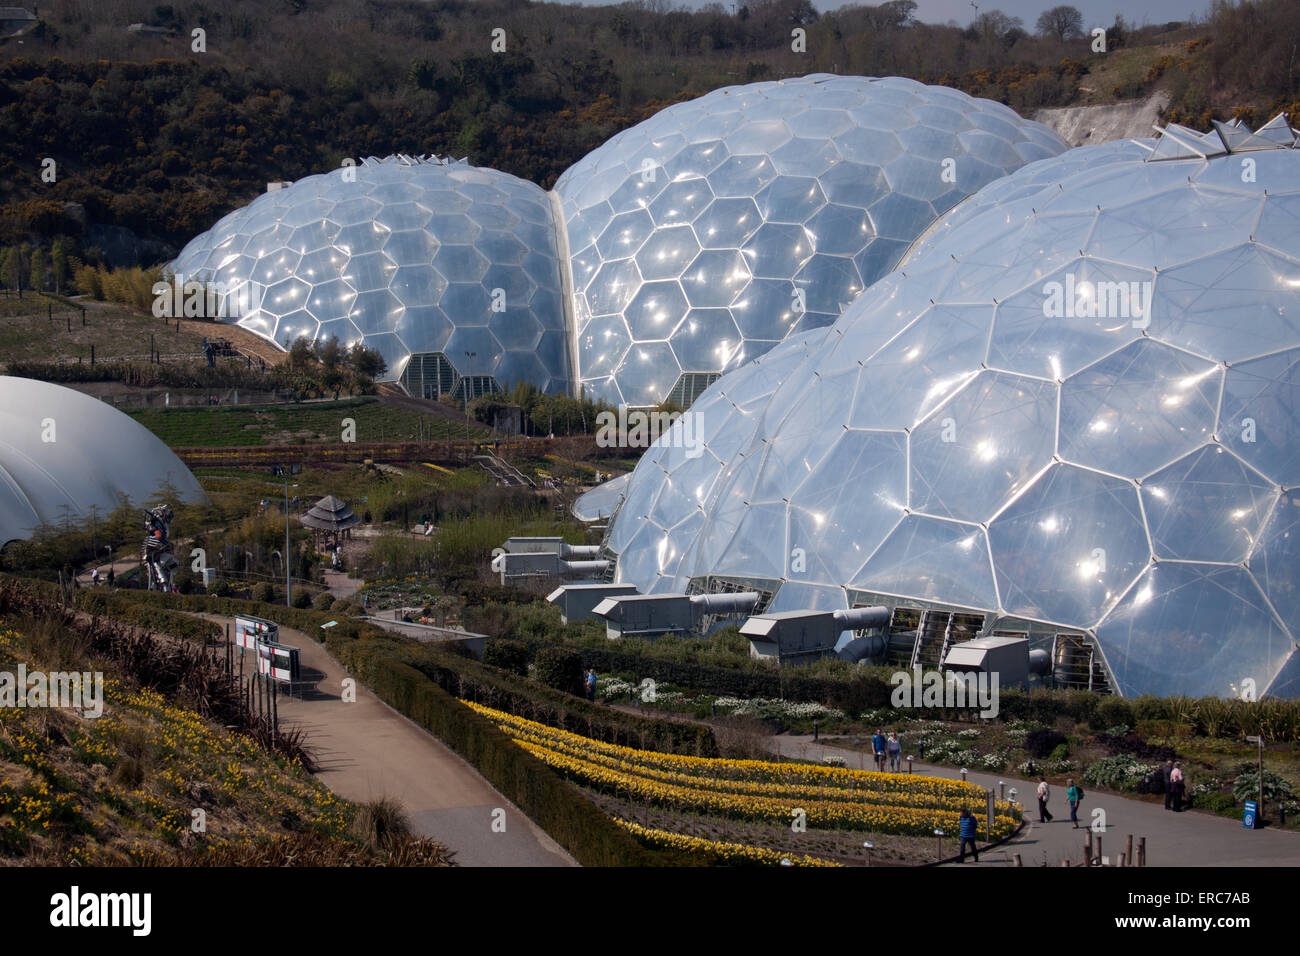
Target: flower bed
(830, 797)
(735, 854)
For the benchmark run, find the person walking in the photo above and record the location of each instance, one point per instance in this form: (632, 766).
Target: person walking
(1167, 772)
(1073, 796)
(894, 747)
(878, 745)
(1044, 794)
(966, 830)
(94, 578)
(590, 682)
(1177, 785)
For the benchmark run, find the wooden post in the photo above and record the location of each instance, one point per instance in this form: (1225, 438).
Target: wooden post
(1017, 859)
(69, 322)
(1122, 858)
(1128, 849)
(1087, 855)
(1099, 849)
(1142, 851)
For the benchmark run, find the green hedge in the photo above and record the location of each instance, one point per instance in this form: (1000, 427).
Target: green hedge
(556, 806)
(854, 695)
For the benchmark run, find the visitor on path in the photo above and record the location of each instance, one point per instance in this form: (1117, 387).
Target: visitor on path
(110, 575)
(1167, 772)
(1176, 786)
(590, 682)
(966, 830)
(894, 747)
(878, 745)
(1044, 794)
(94, 578)
(1073, 795)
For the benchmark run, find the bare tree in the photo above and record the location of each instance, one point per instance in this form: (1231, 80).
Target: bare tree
(1060, 23)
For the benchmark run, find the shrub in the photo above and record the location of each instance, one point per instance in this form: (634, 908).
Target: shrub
(1040, 743)
(1120, 772)
(1115, 711)
(264, 592)
(1216, 802)
(508, 655)
(323, 601)
(219, 589)
(1246, 785)
(560, 667)
(1060, 752)
(301, 599)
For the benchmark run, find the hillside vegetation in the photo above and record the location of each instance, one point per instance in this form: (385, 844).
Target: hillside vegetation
(150, 135)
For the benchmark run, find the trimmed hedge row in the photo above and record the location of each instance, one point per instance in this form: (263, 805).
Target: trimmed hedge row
(854, 695)
(173, 623)
(556, 806)
(469, 680)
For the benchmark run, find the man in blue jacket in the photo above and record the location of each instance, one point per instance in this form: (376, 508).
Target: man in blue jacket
(966, 829)
(878, 747)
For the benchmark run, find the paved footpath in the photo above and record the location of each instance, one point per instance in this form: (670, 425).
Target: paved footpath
(1173, 839)
(367, 750)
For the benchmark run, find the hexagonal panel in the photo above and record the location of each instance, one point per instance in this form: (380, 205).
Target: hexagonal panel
(1069, 546)
(1208, 506)
(1138, 409)
(982, 447)
(1193, 629)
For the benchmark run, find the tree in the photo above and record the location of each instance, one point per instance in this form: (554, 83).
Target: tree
(301, 354)
(994, 24)
(1060, 23)
(366, 361)
(10, 268)
(59, 264)
(37, 280)
(329, 352)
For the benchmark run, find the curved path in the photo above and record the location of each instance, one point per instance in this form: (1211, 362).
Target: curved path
(1173, 839)
(367, 750)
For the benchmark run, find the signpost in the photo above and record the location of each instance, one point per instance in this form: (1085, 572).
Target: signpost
(250, 630)
(277, 661)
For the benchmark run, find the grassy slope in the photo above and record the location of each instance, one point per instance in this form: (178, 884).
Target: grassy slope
(116, 331)
(311, 423)
(76, 790)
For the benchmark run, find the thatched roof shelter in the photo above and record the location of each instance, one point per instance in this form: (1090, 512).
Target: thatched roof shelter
(330, 514)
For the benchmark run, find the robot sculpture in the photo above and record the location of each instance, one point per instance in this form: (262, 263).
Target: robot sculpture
(159, 561)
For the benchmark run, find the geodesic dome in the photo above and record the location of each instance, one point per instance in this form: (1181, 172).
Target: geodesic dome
(692, 242)
(703, 236)
(1073, 413)
(65, 456)
(406, 256)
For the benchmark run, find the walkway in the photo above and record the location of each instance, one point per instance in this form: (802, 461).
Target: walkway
(1173, 839)
(367, 750)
